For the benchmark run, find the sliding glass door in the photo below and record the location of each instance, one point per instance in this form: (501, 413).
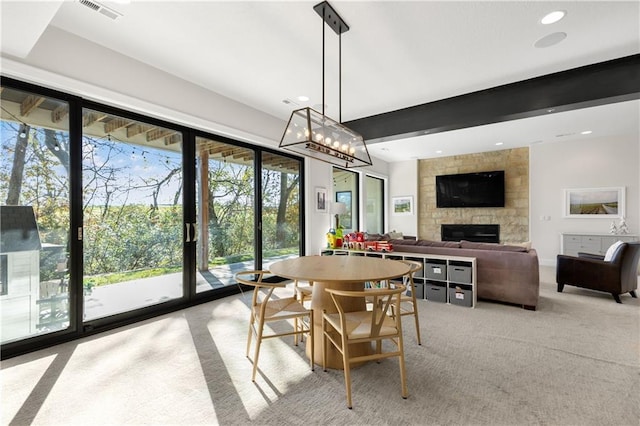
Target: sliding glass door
(280, 218)
(225, 182)
(34, 215)
(132, 190)
(108, 216)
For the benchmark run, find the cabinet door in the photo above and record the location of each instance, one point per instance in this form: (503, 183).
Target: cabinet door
(591, 244)
(571, 244)
(606, 243)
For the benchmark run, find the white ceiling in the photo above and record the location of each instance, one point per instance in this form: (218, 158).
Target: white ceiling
(395, 55)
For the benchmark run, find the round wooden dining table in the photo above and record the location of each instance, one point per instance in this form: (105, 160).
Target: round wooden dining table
(342, 272)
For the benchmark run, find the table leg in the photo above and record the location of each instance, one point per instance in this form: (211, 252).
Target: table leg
(321, 300)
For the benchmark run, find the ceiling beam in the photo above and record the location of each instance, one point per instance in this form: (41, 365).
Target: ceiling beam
(607, 82)
(59, 113)
(115, 124)
(136, 129)
(29, 104)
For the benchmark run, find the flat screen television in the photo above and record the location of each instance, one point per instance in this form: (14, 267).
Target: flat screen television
(481, 189)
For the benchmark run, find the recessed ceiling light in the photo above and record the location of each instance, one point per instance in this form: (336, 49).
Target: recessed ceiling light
(553, 17)
(303, 98)
(586, 132)
(439, 151)
(550, 40)
(499, 143)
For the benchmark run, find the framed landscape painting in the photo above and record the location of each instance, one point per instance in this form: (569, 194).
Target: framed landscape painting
(594, 202)
(402, 205)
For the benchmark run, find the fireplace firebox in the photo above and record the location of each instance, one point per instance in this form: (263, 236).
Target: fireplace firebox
(475, 233)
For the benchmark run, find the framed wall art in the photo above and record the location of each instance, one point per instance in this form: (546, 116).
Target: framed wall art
(322, 204)
(402, 205)
(594, 202)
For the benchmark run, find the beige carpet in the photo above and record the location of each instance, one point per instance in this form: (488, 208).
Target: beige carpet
(574, 361)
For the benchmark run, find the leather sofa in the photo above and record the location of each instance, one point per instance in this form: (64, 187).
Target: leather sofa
(506, 273)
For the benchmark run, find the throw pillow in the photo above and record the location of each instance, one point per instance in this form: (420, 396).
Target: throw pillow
(395, 235)
(526, 245)
(612, 251)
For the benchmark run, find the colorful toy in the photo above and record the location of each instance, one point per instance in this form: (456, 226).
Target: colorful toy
(383, 246)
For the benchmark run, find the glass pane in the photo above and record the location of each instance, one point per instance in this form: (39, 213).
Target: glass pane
(374, 188)
(34, 222)
(225, 207)
(132, 204)
(345, 188)
(280, 208)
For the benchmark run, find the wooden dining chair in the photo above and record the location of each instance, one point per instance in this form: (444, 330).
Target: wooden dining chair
(408, 302)
(303, 292)
(342, 329)
(265, 309)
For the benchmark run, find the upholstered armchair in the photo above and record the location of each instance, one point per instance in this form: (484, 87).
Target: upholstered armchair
(616, 276)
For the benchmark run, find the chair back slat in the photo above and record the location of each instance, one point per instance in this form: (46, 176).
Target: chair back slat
(383, 299)
(383, 325)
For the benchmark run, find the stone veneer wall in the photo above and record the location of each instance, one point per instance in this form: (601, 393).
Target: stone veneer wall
(513, 218)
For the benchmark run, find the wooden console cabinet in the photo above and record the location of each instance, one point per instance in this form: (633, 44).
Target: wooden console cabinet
(571, 243)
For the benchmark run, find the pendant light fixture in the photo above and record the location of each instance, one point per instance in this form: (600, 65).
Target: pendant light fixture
(313, 134)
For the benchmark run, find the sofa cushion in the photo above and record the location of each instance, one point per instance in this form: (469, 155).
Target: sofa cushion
(491, 246)
(612, 251)
(404, 242)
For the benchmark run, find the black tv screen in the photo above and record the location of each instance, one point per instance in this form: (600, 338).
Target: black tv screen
(482, 189)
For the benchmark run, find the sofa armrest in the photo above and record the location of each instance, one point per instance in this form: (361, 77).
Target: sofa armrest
(590, 256)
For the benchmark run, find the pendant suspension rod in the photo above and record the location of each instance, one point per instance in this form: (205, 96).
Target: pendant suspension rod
(340, 78)
(323, 63)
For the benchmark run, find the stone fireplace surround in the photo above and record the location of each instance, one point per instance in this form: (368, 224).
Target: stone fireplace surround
(513, 218)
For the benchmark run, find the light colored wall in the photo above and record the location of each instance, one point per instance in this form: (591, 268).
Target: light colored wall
(403, 181)
(513, 218)
(585, 163)
(74, 65)
(317, 223)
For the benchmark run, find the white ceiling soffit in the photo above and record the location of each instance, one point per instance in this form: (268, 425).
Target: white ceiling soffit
(23, 22)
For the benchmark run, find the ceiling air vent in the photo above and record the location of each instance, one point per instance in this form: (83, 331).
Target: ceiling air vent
(100, 8)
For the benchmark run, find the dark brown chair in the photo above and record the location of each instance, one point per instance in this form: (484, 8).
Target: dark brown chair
(618, 276)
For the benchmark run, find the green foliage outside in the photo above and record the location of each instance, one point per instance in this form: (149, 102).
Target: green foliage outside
(126, 238)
